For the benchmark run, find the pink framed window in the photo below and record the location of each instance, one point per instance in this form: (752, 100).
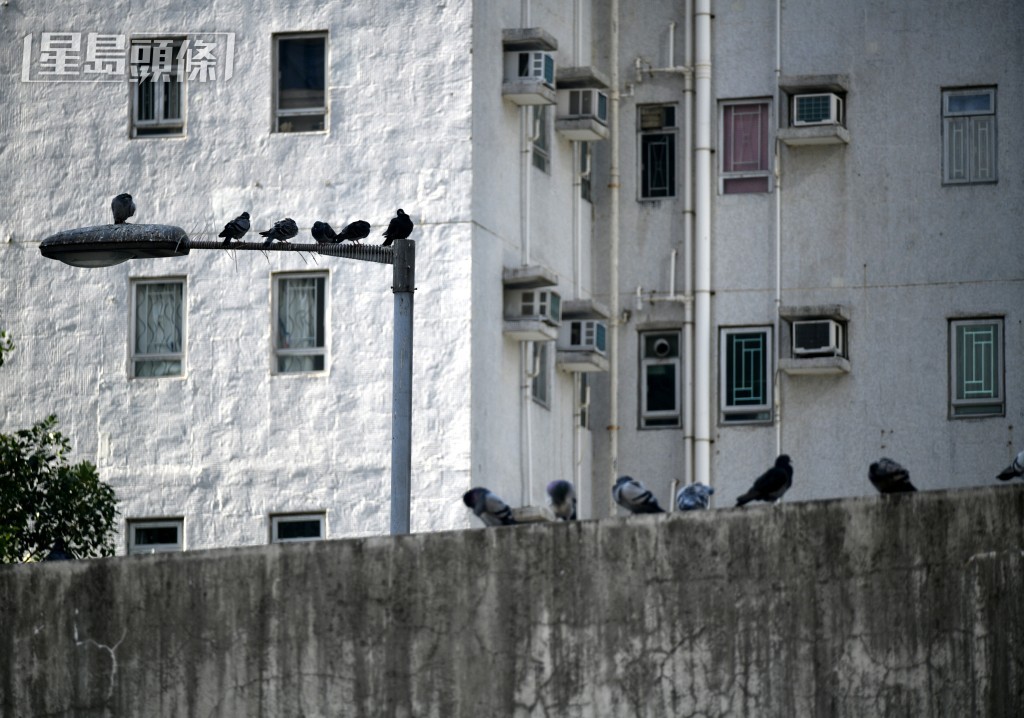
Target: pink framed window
(745, 154)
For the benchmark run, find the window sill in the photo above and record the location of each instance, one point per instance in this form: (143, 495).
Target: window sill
(820, 366)
(814, 135)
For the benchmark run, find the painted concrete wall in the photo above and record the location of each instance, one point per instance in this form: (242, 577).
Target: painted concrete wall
(906, 606)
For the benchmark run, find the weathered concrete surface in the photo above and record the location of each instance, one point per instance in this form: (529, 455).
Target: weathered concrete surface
(866, 607)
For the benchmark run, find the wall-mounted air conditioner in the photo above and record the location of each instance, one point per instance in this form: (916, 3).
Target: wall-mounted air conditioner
(820, 108)
(587, 335)
(543, 305)
(532, 65)
(817, 337)
(583, 103)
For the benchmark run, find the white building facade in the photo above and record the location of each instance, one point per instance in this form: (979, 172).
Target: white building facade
(742, 173)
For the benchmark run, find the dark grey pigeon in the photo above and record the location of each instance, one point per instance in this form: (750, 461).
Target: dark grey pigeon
(355, 231)
(400, 228)
(488, 507)
(1013, 470)
(772, 484)
(323, 233)
(633, 496)
(123, 207)
(236, 228)
(281, 231)
(889, 477)
(59, 552)
(563, 499)
(694, 497)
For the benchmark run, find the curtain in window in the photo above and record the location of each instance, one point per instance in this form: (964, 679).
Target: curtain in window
(300, 324)
(158, 328)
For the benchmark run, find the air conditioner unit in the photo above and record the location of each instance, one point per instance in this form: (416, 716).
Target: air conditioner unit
(533, 65)
(589, 335)
(817, 337)
(540, 304)
(823, 108)
(583, 103)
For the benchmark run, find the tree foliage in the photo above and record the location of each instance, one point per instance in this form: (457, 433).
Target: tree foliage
(44, 500)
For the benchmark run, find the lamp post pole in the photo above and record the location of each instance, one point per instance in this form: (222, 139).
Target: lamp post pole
(108, 245)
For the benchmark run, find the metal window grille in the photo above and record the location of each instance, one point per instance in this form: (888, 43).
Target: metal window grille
(976, 367)
(969, 136)
(746, 391)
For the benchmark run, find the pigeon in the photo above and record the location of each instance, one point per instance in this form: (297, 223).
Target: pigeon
(889, 477)
(563, 499)
(355, 231)
(123, 207)
(1013, 470)
(488, 507)
(400, 228)
(281, 231)
(630, 494)
(323, 233)
(694, 497)
(59, 552)
(772, 484)
(236, 228)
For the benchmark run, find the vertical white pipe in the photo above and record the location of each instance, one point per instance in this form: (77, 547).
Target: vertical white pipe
(702, 246)
(613, 201)
(672, 44)
(777, 394)
(688, 245)
(577, 221)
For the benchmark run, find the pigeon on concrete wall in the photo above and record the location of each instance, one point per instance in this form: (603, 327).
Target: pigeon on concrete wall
(323, 233)
(889, 477)
(236, 228)
(400, 228)
(488, 507)
(281, 231)
(1014, 470)
(123, 207)
(354, 231)
(694, 497)
(633, 496)
(563, 499)
(772, 484)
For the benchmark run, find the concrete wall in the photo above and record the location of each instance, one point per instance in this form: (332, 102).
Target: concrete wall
(877, 606)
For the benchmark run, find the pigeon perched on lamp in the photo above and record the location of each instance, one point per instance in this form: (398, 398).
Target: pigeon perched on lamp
(889, 477)
(399, 228)
(323, 233)
(236, 228)
(563, 499)
(633, 496)
(772, 484)
(354, 231)
(694, 497)
(1014, 470)
(282, 231)
(123, 207)
(488, 507)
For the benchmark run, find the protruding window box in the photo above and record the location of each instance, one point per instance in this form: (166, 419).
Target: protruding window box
(816, 339)
(532, 314)
(529, 77)
(582, 114)
(582, 346)
(815, 365)
(814, 135)
(815, 113)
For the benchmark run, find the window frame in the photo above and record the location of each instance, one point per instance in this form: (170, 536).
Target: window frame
(971, 120)
(132, 546)
(540, 137)
(961, 408)
(669, 131)
(540, 383)
(135, 358)
(277, 519)
(277, 113)
(159, 126)
(586, 171)
(647, 417)
(728, 177)
(763, 413)
(322, 303)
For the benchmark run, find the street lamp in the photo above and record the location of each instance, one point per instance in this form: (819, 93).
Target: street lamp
(107, 245)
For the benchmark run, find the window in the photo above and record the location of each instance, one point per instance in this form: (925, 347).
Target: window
(540, 369)
(158, 87)
(292, 528)
(300, 309)
(586, 155)
(157, 328)
(745, 150)
(969, 136)
(657, 151)
(300, 99)
(583, 408)
(155, 535)
(976, 367)
(660, 377)
(746, 375)
(541, 137)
